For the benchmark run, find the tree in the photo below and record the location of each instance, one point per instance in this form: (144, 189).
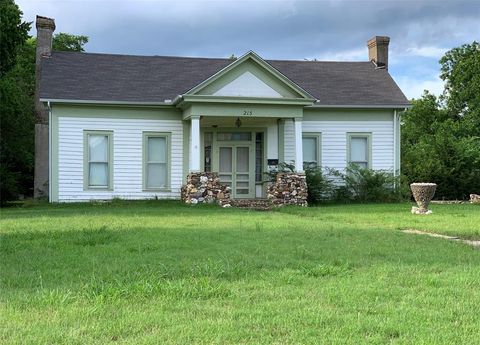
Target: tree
(441, 136)
(69, 43)
(15, 105)
(461, 73)
(13, 33)
(17, 87)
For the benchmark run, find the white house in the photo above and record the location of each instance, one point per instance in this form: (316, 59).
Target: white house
(134, 127)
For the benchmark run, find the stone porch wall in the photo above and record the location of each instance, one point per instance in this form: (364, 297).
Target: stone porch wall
(205, 187)
(289, 188)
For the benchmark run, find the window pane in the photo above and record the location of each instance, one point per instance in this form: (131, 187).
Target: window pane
(362, 165)
(258, 156)
(157, 149)
(156, 175)
(358, 149)
(207, 151)
(98, 148)
(98, 174)
(223, 136)
(309, 149)
(225, 159)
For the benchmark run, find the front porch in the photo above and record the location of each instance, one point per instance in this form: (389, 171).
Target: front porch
(236, 131)
(240, 151)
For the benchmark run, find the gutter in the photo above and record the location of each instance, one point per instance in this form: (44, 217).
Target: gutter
(363, 106)
(95, 102)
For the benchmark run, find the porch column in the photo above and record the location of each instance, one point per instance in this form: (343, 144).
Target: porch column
(195, 144)
(298, 145)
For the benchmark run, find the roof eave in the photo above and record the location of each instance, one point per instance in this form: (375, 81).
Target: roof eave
(362, 106)
(109, 102)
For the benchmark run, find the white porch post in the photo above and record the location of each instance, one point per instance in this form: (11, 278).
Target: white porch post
(298, 145)
(195, 144)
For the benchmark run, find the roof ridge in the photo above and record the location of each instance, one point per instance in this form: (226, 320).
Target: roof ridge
(316, 61)
(140, 56)
(200, 57)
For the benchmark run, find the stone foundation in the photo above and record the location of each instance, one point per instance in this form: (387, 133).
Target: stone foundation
(205, 187)
(289, 188)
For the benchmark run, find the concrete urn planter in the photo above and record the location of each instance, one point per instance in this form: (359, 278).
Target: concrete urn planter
(423, 194)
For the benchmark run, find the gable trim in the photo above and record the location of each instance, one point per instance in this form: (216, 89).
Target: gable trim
(255, 57)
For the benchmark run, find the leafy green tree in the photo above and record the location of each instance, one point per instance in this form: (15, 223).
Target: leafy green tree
(13, 33)
(17, 87)
(69, 43)
(16, 106)
(441, 136)
(461, 73)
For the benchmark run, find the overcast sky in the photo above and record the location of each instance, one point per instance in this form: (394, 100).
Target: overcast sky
(421, 31)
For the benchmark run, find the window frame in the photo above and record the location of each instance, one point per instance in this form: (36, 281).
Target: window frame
(86, 160)
(318, 137)
(168, 156)
(368, 136)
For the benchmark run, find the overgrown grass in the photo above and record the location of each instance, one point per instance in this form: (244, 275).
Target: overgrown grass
(161, 272)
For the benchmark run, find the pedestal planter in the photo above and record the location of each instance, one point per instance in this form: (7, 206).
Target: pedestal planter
(423, 194)
(475, 198)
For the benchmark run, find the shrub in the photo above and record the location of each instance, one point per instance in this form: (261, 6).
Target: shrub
(271, 175)
(368, 185)
(321, 188)
(354, 185)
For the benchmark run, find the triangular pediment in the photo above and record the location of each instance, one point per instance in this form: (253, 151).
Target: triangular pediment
(249, 76)
(247, 85)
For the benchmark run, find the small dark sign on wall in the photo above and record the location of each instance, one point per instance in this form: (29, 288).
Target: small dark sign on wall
(272, 161)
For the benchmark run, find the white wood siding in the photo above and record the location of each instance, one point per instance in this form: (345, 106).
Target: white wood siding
(334, 141)
(127, 157)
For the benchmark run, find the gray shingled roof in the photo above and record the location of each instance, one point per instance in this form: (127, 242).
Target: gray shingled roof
(107, 77)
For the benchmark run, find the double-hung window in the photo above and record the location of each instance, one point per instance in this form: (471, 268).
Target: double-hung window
(98, 160)
(311, 150)
(156, 162)
(359, 149)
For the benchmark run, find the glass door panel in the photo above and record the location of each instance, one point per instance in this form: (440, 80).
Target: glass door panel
(242, 171)
(225, 165)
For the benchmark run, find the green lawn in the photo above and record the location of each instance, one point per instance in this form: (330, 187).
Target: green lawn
(162, 273)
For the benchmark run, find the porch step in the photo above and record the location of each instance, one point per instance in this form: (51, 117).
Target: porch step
(254, 204)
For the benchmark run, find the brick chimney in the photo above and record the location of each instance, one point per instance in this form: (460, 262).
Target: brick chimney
(378, 50)
(45, 28)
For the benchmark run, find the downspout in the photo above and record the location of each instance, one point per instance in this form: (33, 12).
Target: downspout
(394, 142)
(49, 152)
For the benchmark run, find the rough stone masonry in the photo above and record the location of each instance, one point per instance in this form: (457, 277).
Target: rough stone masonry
(289, 188)
(205, 187)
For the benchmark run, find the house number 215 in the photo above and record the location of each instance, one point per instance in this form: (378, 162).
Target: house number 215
(247, 112)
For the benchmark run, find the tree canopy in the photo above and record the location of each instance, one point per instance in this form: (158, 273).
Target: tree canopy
(17, 88)
(441, 135)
